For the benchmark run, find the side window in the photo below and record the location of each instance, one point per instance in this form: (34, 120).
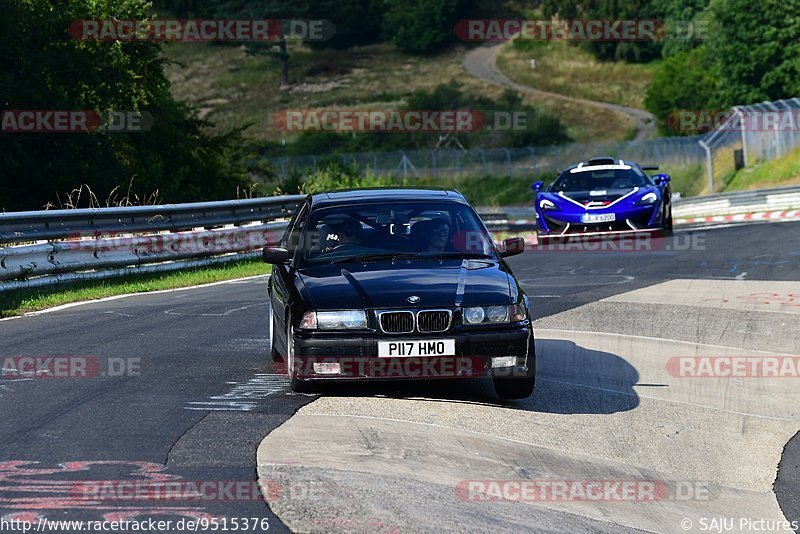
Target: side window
(290, 236)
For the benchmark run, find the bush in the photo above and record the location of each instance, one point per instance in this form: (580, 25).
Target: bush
(421, 26)
(685, 81)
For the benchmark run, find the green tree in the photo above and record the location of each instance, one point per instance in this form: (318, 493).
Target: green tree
(422, 26)
(357, 22)
(633, 51)
(685, 81)
(43, 68)
(757, 48)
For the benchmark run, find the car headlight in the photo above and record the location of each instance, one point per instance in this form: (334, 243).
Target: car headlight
(474, 315)
(494, 314)
(649, 198)
(334, 320)
(546, 205)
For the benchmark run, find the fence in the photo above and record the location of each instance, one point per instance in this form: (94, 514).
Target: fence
(758, 132)
(523, 162)
(753, 133)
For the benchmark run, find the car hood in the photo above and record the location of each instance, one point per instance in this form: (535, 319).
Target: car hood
(597, 198)
(439, 283)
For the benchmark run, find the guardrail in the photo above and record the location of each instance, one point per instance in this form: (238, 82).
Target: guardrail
(46, 247)
(49, 247)
(85, 244)
(778, 198)
(65, 224)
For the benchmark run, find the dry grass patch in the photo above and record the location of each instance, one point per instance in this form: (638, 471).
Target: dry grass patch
(569, 70)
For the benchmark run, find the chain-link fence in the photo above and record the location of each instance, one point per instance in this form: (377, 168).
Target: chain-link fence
(526, 161)
(750, 134)
(746, 135)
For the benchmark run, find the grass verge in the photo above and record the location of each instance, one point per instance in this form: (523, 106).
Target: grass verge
(775, 173)
(19, 301)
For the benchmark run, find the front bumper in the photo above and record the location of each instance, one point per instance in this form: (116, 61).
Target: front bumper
(357, 355)
(630, 218)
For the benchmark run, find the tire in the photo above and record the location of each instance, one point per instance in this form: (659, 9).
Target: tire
(514, 388)
(273, 352)
(519, 387)
(668, 223)
(298, 386)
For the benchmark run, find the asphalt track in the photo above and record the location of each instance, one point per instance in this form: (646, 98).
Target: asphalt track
(204, 403)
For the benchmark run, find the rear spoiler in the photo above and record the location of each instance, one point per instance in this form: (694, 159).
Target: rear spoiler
(649, 167)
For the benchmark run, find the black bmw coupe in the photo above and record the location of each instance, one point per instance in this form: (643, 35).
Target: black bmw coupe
(395, 284)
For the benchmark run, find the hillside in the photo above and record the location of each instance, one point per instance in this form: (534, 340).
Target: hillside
(234, 89)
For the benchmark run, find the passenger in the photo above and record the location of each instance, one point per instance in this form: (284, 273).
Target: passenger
(432, 235)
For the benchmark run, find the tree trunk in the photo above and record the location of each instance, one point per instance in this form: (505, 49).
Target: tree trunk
(283, 56)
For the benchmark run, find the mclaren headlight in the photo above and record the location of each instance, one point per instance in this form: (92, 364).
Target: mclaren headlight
(334, 320)
(494, 314)
(647, 200)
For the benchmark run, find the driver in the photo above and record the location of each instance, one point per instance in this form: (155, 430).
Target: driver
(349, 232)
(346, 232)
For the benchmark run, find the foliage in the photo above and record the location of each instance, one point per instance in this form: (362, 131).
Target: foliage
(539, 129)
(43, 68)
(634, 51)
(685, 81)
(357, 22)
(752, 54)
(421, 26)
(757, 49)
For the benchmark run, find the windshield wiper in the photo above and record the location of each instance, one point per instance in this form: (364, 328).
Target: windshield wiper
(460, 255)
(414, 256)
(382, 256)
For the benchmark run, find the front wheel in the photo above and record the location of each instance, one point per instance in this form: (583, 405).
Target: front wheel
(514, 388)
(668, 222)
(273, 351)
(296, 385)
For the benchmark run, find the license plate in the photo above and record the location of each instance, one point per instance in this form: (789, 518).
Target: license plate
(417, 348)
(598, 217)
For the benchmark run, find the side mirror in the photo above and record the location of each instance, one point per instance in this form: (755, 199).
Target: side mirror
(275, 255)
(661, 179)
(537, 186)
(512, 246)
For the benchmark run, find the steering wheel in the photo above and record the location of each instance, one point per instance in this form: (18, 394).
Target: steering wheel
(343, 246)
(621, 184)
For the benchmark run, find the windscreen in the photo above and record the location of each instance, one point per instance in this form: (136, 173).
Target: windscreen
(375, 230)
(600, 179)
